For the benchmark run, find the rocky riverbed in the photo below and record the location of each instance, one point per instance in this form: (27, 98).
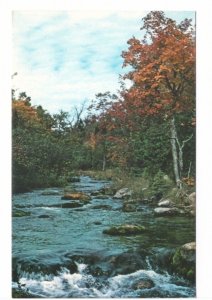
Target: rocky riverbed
(96, 245)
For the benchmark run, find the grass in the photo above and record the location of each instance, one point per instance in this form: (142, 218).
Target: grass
(143, 185)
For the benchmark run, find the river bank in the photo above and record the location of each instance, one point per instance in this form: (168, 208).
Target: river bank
(61, 250)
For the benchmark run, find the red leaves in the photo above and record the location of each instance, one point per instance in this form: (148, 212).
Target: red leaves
(163, 66)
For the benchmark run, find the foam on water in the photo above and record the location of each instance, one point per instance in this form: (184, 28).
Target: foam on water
(81, 284)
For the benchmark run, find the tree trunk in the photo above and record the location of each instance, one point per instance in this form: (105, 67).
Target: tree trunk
(174, 152)
(104, 162)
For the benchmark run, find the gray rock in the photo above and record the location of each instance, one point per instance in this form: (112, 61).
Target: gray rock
(168, 211)
(123, 194)
(165, 203)
(192, 198)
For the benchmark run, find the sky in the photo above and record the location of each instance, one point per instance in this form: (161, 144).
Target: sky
(64, 58)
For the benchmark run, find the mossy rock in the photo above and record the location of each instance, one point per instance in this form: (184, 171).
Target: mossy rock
(183, 261)
(21, 213)
(126, 229)
(19, 293)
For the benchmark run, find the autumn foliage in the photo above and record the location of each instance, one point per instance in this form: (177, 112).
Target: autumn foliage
(148, 126)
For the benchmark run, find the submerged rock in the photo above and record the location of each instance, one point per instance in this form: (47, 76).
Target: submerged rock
(105, 207)
(50, 193)
(143, 284)
(67, 205)
(123, 194)
(183, 261)
(71, 205)
(129, 207)
(20, 213)
(97, 223)
(126, 263)
(101, 196)
(76, 196)
(44, 216)
(126, 229)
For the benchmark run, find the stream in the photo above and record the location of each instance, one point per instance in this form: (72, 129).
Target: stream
(61, 252)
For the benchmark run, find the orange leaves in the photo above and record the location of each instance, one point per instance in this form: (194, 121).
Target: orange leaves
(24, 113)
(163, 66)
(190, 181)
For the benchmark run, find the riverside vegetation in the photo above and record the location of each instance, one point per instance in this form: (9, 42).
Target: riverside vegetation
(141, 141)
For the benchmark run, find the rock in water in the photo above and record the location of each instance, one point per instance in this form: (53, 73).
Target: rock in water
(44, 216)
(168, 211)
(128, 207)
(50, 193)
(20, 213)
(165, 203)
(122, 194)
(183, 261)
(126, 229)
(76, 196)
(144, 284)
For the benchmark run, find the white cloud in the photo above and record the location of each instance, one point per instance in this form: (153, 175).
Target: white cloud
(64, 57)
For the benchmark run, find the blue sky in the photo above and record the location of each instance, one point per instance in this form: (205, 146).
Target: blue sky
(65, 57)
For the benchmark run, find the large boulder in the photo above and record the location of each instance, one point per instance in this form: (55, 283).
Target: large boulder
(127, 262)
(168, 211)
(183, 261)
(190, 203)
(76, 196)
(192, 199)
(124, 193)
(126, 229)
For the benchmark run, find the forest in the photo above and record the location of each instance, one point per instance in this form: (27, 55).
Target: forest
(146, 129)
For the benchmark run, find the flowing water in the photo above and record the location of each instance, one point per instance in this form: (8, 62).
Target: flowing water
(61, 252)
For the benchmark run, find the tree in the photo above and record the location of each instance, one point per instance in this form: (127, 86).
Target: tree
(163, 76)
(101, 119)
